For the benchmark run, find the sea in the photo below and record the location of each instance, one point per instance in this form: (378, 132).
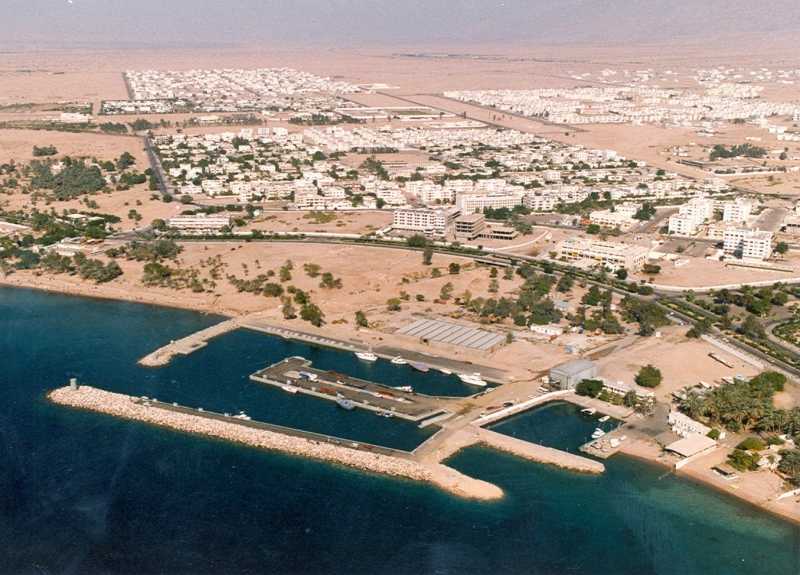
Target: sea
(85, 493)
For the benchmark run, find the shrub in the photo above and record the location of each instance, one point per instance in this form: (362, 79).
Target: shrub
(751, 444)
(589, 387)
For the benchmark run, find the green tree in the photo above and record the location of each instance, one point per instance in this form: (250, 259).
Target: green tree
(427, 255)
(361, 319)
(648, 376)
(589, 387)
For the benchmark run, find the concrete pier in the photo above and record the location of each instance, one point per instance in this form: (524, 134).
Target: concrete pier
(295, 375)
(539, 453)
(351, 454)
(198, 340)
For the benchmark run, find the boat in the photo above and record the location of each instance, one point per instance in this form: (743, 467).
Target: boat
(472, 379)
(399, 360)
(289, 388)
(604, 418)
(406, 388)
(345, 404)
(589, 411)
(243, 415)
(420, 367)
(445, 371)
(598, 433)
(386, 414)
(366, 356)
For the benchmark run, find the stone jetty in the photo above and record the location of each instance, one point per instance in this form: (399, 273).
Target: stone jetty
(128, 407)
(198, 340)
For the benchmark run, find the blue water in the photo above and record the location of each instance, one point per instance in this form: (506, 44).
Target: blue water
(557, 424)
(85, 493)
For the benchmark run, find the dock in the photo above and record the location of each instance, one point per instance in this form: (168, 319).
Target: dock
(352, 454)
(191, 343)
(295, 375)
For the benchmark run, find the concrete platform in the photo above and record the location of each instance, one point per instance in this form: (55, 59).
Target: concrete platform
(295, 375)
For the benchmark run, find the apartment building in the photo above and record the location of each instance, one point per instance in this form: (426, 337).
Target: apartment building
(610, 254)
(690, 215)
(433, 222)
(747, 244)
(737, 211)
(476, 202)
(199, 224)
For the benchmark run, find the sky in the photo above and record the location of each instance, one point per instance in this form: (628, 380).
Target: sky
(386, 22)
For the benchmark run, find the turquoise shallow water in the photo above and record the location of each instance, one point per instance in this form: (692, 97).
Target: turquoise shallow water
(85, 493)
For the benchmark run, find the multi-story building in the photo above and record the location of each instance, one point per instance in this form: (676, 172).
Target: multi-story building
(433, 222)
(747, 244)
(690, 215)
(200, 224)
(610, 254)
(737, 211)
(609, 219)
(472, 202)
(469, 226)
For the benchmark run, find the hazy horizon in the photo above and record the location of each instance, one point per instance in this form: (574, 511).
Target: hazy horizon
(384, 22)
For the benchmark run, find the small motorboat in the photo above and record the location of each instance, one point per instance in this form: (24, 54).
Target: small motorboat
(604, 418)
(598, 433)
(420, 367)
(589, 411)
(406, 388)
(345, 404)
(445, 371)
(366, 356)
(472, 379)
(289, 388)
(399, 361)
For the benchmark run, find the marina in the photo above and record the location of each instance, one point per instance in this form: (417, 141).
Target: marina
(295, 375)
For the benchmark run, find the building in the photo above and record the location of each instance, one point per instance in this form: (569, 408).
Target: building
(747, 244)
(569, 374)
(737, 211)
(684, 425)
(609, 219)
(472, 202)
(690, 215)
(622, 388)
(200, 224)
(610, 254)
(469, 226)
(428, 221)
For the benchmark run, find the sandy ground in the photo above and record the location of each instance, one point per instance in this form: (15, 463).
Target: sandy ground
(344, 222)
(700, 272)
(682, 361)
(18, 145)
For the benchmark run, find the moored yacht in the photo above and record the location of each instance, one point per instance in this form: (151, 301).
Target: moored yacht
(366, 356)
(399, 360)
(472, 379)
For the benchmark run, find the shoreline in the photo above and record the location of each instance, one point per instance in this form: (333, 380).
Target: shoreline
(125, 407)
(705, 482)
(158, 300)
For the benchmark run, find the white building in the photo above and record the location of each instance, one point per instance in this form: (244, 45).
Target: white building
(472, 202)
(684, 425)
(690, 215)
(610, 254)
(609, 219)
(747, 244)
(737, 211)
(199, 224)
(433, 222)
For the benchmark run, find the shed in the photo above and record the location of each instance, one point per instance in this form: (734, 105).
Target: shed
(571, 373)
(691, 445)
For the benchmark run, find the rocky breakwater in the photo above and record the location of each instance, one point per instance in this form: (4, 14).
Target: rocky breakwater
(127, 407)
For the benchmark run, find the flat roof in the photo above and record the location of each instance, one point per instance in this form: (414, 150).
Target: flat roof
(692, 444)
(574, 367)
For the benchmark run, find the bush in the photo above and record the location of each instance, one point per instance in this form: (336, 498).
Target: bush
(589, 387)
(714, 434)
(743, 461)
(649, 376)
(751, 444)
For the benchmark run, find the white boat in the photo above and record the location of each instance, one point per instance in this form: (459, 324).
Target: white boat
(243, 415)
(366, 356)
(472, 379)
(598, 433)
(589, 411)
(289, 388)
(399, 361)
(406, 388)
(445, 371)
(604, 418)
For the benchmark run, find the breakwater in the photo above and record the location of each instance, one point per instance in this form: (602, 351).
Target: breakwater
(246, 433)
